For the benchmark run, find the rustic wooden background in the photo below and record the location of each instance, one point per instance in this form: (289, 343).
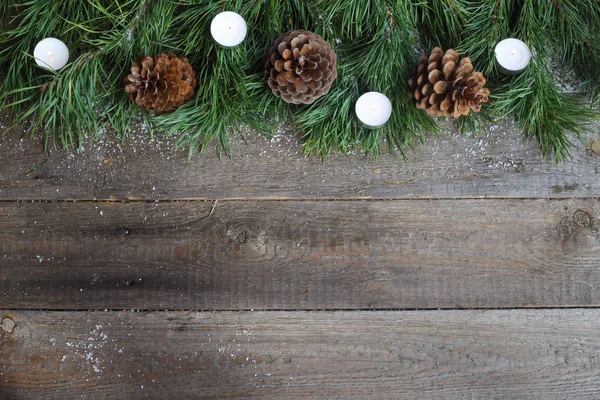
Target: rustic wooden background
(471, 271)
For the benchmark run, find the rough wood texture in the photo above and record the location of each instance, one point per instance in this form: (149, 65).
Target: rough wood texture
(245, 252)
(495, 164)
(518, 354)
(300, 255)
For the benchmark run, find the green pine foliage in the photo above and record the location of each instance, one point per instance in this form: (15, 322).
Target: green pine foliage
(377, 42)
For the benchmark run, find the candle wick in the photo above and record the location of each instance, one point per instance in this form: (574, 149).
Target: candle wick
(513, 52)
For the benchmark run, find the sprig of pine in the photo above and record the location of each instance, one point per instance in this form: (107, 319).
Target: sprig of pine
(370, 35)
(534, 97)
(74, 103)
(553, 30)
(578, 43)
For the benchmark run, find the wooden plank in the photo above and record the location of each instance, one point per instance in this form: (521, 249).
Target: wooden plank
(495, 164)
(517, 354)
(300, 254)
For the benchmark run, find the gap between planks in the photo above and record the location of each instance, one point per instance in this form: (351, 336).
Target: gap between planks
(307, 310)
(291, 199)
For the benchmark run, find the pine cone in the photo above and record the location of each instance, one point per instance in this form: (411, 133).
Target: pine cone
(160, 83)
(444, 84)
(300, 67)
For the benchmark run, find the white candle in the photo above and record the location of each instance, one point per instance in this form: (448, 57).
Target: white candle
(51, 53)
(228, 29)
(512, 56)
(373, 109)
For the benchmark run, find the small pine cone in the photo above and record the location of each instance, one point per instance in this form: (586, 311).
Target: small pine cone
(160, 83)
(300, 67)
(444, 84)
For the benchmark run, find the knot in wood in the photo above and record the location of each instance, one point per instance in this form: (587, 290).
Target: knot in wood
(7, 325)
(582, 219)
(240, 237)
(251, 241)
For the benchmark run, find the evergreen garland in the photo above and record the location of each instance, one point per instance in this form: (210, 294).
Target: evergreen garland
(377, 43)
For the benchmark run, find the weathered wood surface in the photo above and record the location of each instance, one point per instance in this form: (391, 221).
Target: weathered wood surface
(300, 254)
(247, 251)
(500, 354)
(495, 164)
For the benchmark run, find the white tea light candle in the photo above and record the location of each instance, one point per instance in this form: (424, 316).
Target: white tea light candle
(373, 109)
(51, 53)
(228, 29)
(512, 56)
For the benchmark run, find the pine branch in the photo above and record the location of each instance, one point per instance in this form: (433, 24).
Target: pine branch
(72, 103)
(386, 44)
(490, 21)
(578, 44)
(534, 97)
(375, 40)
(223, 98)
(443, 22)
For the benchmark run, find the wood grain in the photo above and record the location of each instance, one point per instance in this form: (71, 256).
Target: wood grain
(300, 254)
(518, 354)
(495, 164)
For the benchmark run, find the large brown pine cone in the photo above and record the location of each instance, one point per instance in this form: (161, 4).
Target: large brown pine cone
(444, 84)
(160, 83)
(300, 67)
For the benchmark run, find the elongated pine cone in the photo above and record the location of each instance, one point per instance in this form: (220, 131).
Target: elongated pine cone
(444, 84)
(160, 83)
(300, 67)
